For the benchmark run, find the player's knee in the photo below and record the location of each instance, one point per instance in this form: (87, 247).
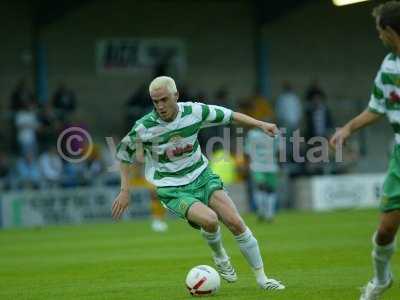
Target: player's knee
(386, 234)
(235, 225)
(210, 222)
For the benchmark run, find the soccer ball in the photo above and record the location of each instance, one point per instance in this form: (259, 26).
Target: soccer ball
(202, 281)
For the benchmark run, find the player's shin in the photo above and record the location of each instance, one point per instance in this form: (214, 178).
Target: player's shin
(249, 247)
(381, 256)
(214, 241)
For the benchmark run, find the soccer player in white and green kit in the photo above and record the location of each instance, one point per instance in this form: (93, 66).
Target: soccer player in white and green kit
(262, 151)
(174, 163)
(385, 100)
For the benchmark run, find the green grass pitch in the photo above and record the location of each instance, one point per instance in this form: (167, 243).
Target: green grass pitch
(318, 256)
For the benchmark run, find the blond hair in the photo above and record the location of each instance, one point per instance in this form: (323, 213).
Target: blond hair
(163, 81)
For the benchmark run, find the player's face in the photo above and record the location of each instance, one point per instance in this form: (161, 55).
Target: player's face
(384, 36)
(165, 103)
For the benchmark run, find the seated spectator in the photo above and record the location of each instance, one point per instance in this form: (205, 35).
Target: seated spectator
(27, 171)
(51, 167)
(64, 102)
(73, 174)
(94, 164)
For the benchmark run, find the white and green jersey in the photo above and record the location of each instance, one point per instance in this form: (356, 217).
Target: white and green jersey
(385, 97)
(262, 150)
(171, 150)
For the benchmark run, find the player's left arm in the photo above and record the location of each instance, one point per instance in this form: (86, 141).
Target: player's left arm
(213, 115)
(269, 128)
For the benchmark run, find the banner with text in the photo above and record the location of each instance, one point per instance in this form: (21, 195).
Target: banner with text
(128, 55)
(67, 206)
(322, 193)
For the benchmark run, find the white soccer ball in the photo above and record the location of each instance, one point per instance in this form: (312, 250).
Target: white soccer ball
(203, 281)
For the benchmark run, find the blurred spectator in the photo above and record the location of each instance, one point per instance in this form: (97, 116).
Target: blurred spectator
(64, 102)
(49, 127)
(137, 182)
(258, 107)
(94, 164)
(289, 111)
(318, 124)
(163, 65)
(26, 123)
(4, 170)
(220, 99)
(318, 117)
(313, 89)
(27, 170)
(73, 174)
(21, 97)
(223, 163)
(138, 105)
(51, 167)
(185, 94)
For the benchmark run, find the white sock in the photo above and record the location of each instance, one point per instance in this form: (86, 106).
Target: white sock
(249, 247)
(381, 257)
(260, 275)
(214, 241)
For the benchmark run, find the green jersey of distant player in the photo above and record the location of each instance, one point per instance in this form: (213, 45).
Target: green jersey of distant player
(262, 152)
(385, 100)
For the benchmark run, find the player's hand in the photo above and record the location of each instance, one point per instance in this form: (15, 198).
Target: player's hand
(339, 137)
(269, 128)
(120, 204)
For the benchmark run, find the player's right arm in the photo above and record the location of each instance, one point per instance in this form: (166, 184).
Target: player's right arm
(364, 119)
(128, 151)
(375, 110)
(122, 201)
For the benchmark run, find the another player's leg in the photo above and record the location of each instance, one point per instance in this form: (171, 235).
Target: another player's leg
(207, 219)
(225, 208)
(260, 197)
(271, 185)
(383, 248)
(270, 206)
(158, 212)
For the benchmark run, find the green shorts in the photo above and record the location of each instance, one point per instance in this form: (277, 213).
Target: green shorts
(265, 180)
(178, 199)
(390, 199)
